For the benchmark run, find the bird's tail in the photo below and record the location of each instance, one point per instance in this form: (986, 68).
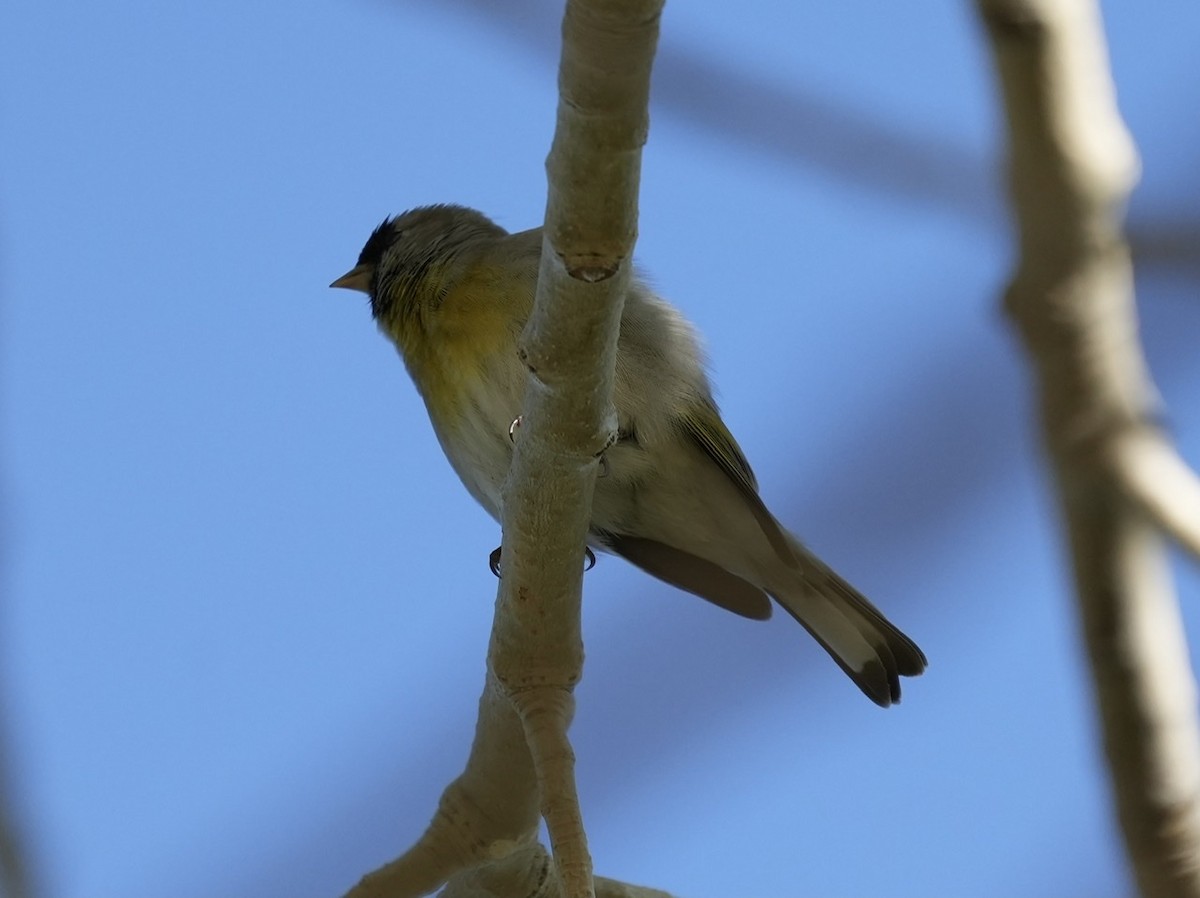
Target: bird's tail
(864, 643)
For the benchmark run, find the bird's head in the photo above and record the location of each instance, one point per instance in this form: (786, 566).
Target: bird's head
(409, 262)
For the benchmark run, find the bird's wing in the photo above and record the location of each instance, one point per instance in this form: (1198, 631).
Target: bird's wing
(691, 574)
(704, 427)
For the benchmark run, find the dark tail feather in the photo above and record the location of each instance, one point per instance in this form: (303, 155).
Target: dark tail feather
(864, 643)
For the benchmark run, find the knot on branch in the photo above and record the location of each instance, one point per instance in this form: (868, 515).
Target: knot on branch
(591, 269)
(592, 255)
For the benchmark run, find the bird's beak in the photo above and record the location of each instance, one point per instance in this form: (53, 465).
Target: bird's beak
(357, 278)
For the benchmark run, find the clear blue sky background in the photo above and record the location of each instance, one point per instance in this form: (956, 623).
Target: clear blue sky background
(246, 602)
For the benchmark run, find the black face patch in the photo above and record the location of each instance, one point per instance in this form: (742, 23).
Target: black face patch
(381, 238)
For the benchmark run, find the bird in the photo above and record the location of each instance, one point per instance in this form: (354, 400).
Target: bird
(453, 291)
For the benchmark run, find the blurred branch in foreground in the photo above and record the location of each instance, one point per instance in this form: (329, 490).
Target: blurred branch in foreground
(15, 875)
(14, 872)
(14, 863)
(826, 134)
(1121, 484)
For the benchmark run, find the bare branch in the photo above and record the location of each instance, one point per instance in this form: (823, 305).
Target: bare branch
(569, 347)
(521, 761)
(529, 873)
(1071, 298)
(489, 812)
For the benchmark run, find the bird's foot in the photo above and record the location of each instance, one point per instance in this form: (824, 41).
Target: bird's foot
(494, 560)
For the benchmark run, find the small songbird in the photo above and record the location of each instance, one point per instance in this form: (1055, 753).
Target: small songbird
(677, 498)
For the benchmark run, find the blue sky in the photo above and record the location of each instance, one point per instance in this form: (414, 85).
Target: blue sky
(246, 602)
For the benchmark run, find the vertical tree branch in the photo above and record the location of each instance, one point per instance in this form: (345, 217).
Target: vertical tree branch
(521, 759)
(569, 347)
(1071, 299)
